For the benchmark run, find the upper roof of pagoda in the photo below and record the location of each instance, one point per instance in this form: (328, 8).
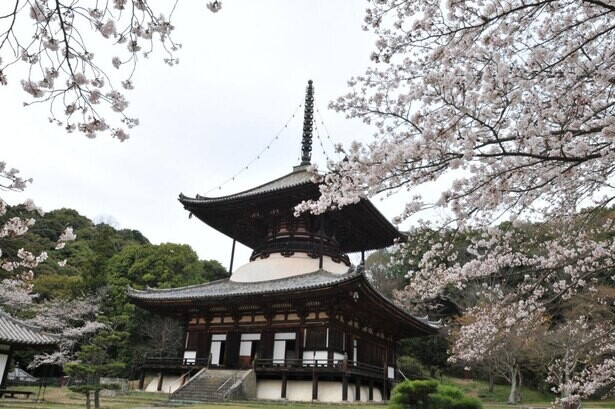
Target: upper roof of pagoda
(359, 226)
(262, 218)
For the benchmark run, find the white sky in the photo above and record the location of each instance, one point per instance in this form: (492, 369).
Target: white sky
(242, 73)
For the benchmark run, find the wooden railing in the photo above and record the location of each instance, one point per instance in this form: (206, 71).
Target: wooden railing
(177, 362)
(321, 365)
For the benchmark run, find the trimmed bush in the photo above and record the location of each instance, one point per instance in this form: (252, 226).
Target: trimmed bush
(438, 401)
(467, 402)
(451, 391)
(411, 367)
(430, 395)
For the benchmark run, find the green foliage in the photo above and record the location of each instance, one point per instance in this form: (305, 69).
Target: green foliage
(467, 402)
(431, 395)
(430, 351)
(105, 260)
(58, 286)
(411, 367)
(214, 270)
(413, 394)
(451, 391)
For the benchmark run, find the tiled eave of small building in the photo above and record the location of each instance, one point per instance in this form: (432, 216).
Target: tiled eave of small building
(286, 288)
(17, 333)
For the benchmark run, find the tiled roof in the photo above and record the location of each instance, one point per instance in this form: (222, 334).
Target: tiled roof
(14, 331)
(226, 287)
(298, 177)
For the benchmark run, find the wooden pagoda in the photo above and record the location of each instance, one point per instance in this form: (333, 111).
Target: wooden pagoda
(306, 323)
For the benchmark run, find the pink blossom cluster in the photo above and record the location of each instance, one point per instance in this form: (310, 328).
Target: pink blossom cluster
(507, 108)
(56, 41)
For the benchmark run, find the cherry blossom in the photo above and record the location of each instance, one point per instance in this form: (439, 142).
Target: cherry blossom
(55, 43)
(508, 110)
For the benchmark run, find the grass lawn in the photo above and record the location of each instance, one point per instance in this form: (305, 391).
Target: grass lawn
(499, 396)
(62, 398)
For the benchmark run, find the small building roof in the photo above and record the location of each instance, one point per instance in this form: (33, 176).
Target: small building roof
(17, 332)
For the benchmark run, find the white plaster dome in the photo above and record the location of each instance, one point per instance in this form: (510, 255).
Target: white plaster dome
(277, 266)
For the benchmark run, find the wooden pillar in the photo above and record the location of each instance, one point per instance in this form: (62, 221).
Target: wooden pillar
(345, 387)
(385, 392)
(314, 385)
(371, 390)
(160, 378)
(284, 381)
(142, 379)
(230, 270)
(357, 389)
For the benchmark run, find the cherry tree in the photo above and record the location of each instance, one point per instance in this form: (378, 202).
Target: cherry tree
(59, 46)
(508, 109)
(74, 320)
(15, 291)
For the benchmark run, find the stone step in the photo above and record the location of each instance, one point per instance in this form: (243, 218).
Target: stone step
(210, 385)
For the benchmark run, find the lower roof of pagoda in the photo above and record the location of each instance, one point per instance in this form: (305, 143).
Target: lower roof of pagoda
(318, 284)
(222, 289)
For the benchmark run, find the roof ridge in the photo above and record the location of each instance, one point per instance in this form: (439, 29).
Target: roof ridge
(434, 324)
(255, 188)
(28, 326)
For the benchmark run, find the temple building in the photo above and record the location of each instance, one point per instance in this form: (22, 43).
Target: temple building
(296, 322)
(17, 335)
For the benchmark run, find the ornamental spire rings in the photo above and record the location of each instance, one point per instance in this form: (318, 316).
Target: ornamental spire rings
(308, 121)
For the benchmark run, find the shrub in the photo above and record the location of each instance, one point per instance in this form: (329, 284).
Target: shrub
(411, 367)
(430, 395)
(413, 394)
(467, 402)
(451, 391)
(438, 401)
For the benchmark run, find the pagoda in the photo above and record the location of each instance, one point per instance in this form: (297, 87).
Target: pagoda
(296, 322)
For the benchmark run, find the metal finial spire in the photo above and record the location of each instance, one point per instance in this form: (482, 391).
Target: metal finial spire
(308, 120)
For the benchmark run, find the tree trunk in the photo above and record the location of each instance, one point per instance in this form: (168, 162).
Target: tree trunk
(491, 381)
(88, 403)
(513, 397)
(97, 398)
(519, 397)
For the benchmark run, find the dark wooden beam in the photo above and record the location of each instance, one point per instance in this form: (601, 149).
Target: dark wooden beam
(230, 270)
(314, 385)
(284, 381)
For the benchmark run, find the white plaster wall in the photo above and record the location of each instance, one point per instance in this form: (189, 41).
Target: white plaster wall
(277, 266)
(268, 389)
(3, 366)
(152, 385)
(169, 381)
(302, 391)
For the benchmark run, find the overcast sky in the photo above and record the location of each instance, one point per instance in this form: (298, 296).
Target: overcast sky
(242, 73)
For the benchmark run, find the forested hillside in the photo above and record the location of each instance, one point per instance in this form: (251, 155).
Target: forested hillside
(84, 282)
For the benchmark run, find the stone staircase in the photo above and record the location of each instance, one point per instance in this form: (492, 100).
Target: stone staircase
(211, 385)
